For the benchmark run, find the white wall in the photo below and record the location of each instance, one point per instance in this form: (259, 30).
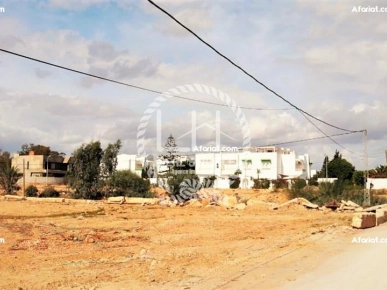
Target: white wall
(126, 161)
(378, 183)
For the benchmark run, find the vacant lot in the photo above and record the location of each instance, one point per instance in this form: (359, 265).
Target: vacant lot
(103, 246)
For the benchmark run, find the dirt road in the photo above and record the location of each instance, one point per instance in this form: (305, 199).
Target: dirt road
(359, 265)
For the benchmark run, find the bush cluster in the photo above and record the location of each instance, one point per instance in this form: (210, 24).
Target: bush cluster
(31, 191)
(49, 192)
(261, 183)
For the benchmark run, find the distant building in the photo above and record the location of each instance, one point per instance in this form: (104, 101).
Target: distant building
(42, 168)
(266, 162)
(135, 163)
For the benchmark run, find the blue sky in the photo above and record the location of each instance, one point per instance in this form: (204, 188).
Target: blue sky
(317, 54)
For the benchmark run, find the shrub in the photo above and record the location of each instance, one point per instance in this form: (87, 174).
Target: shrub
(49, 192)
(312, 182)
(261, 183)
(31, 191)
(280, 183)
(128, 183)
(235, 181)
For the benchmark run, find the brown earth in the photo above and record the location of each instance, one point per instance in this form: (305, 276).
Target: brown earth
(108, 246)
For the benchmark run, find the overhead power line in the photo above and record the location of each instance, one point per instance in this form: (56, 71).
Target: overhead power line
(134, 86)
(310, 139)
(330, 137)
(243, 70)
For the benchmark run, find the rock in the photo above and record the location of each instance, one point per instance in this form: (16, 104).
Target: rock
(194, 203)
(89, 240)
(205, 202)
(363, 220)
(249, 202)
(240, 206)
(228, 201)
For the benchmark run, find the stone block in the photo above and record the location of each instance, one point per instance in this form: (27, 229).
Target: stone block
(381, 216)
(363, 220)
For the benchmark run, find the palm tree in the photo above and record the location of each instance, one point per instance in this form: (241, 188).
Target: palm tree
(9, 176)
(258, 172)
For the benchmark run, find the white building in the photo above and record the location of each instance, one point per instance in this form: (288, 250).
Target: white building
(134, 162)
(267, 162)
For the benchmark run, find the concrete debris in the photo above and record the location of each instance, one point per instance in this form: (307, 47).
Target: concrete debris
(46, 199)
(297, 201)
(228, 201)
(13, 197)
(349, 206)
(116, 199)
(374, 208)
(381, 216)
(364, 220)
(142, 201)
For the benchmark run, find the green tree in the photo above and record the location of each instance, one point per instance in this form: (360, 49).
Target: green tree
(84, 174)
(9, 175)
(358, 178)
(128, 183)
(38, 149)
(324, 173)
(340, 168)
(170, 154)
(109, 159)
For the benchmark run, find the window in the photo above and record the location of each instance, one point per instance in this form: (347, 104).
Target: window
(266, 163)
(206, 164)
(28, 165)
(229, 164)
(247, 163)
(138, 165)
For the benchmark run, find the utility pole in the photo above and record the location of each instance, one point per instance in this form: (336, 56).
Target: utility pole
(47, 170)
(24, 179)
(367, 198)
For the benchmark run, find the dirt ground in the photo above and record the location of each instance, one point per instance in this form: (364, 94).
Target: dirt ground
(108, 246)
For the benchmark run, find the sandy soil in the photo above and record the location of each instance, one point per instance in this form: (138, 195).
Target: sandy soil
(105, 246)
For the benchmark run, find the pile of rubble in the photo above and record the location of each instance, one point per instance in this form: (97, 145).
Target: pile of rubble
(299, 201)
(349, 206)
(208, 197)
